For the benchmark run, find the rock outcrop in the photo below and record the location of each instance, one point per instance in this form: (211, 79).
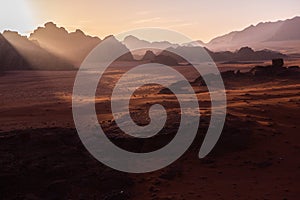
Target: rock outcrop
(111, 46)
(149, 56)
(205, 55)
(10, 58)
(165, 57)
(35, 56)
(73, 46)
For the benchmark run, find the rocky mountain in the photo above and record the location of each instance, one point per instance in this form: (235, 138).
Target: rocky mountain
(243, 54)
(166, 58)
(194, 43)
(133, 42)
(112, 45)
(26, 54)
(52, 47)
(289, 30)
(73, 46)
(149, 56)
(10, 59)
(280, 35)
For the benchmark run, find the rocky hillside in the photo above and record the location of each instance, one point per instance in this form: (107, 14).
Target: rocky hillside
(34, 57)
(280, 35)
(10, 57)
(73, 46)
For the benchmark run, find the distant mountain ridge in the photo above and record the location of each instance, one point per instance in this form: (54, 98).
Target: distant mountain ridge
(54, 48)
(133, 42)
(280, 35)
(243, 54)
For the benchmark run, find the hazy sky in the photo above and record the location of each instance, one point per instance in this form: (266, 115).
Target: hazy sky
(197, 19)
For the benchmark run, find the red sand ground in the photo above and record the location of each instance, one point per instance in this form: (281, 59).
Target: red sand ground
(257, 156)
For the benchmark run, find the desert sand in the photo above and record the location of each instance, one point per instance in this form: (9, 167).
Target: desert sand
(257, 156)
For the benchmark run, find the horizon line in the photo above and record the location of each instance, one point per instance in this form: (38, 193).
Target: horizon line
(57, 24)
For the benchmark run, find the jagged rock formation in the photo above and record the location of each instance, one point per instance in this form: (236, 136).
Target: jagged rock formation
(276, 69)
(243, 54)
(10, 58)
(271, 35)
(149, 56)
(73, 46)
(166, 60)
(282, 34)
(111, 46)
(165, 57)
(51, 48)
(133, 42)
(258, 73)
(34, 56)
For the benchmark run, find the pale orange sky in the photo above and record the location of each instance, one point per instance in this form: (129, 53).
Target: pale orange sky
(196, 19)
